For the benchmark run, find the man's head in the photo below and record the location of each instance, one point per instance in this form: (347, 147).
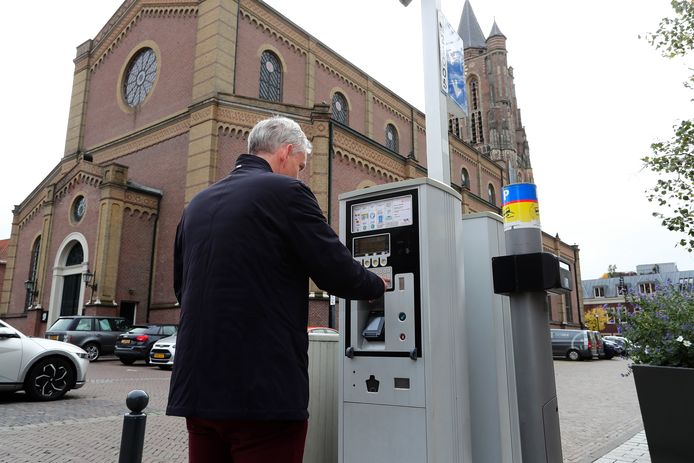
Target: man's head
(282, 143)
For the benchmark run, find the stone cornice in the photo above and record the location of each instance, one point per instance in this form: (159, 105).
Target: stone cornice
(142, 140)
(359, 152)
(137, 202)
(126, 17)
(267, 20)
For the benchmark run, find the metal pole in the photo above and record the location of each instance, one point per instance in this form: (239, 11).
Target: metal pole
(438, 157)
(537, 395)
(133, 438)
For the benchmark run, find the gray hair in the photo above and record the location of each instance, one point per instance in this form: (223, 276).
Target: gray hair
(270, 134)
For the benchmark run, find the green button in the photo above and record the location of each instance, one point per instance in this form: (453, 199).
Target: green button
(402, 316)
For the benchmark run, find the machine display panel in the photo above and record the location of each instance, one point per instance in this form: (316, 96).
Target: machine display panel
(372, 244)
(382, 214)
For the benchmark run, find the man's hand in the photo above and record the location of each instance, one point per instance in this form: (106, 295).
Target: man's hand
(386, 282)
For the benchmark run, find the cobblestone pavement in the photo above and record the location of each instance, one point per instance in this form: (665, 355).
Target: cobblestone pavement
(635, 450)
(598, 411)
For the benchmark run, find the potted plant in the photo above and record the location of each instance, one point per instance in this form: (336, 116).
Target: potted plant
(660, 330)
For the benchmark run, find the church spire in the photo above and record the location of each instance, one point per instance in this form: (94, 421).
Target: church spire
(469, 29)
(496, 31)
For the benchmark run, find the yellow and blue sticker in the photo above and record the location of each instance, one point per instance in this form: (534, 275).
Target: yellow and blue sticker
(519, 206)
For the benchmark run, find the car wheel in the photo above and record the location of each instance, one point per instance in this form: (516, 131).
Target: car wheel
(127, 361)
(573, 355)
(50, 379)
(93, 351)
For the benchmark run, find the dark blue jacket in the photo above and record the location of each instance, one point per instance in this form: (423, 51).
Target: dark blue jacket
(245, 249)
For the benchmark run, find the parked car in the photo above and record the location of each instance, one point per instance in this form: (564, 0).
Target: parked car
(163, 352)
(621, 341)
(322, 330)
(612, 349)
(573, 344)
(45, 369)
(138, 341)
(599, 343)
(96, 335)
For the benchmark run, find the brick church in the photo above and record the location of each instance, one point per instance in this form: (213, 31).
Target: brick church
(163, 99)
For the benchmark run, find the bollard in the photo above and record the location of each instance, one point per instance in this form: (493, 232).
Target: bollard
(133, 438)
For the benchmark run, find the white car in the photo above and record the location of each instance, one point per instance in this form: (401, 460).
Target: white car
(162, 353)
(45, 369)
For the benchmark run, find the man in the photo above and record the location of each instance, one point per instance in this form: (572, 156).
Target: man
(244, 251)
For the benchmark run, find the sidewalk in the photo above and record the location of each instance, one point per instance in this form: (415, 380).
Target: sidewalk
(635, 450)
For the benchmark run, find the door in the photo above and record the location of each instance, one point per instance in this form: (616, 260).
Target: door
(71, 294)
(127, 311)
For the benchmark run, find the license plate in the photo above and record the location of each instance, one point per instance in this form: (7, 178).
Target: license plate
(125, 341)
(54, 337)
(158, 356)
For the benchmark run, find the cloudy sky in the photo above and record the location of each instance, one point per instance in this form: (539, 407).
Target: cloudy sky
(593, 97)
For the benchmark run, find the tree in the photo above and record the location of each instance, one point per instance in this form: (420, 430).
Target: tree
(596, 319)
(674, 159)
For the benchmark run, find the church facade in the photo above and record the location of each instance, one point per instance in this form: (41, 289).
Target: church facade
(163, 100)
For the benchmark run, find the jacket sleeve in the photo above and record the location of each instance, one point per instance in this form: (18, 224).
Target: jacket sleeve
(329, 262)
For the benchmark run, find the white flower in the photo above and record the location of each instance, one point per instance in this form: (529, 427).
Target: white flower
(687, 343)
(680, 339)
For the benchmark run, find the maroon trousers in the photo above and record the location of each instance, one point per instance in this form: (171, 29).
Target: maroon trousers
(222, 441)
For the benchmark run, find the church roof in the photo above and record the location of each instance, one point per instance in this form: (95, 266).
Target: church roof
(496, 31)
(469, 29)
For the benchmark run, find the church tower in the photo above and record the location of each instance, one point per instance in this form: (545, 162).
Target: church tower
(493, 124)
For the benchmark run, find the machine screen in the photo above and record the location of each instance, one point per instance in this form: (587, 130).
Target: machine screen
(375, 244)
(382, 214)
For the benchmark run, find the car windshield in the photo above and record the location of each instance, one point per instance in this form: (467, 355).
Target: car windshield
(62, 324)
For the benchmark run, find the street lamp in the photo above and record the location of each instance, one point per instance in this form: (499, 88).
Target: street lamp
(88, 277)
(597, 321)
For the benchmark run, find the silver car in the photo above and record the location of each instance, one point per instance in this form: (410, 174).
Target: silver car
(162, 353)
(45, 369)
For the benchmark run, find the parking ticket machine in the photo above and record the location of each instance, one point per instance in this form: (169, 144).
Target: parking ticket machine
(403, 384)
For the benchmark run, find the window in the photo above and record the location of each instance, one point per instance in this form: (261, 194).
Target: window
(569, 308)
(270, 77)
(340, 108)
(491, 194)
(392, 138)
(646, 288)
(686, 284)
(33, 269)
(476, 113)
(79, 207)
(85, 324)
(76, 255)
(599, 291)
(139, 77)
(169, 330)
(464, 178)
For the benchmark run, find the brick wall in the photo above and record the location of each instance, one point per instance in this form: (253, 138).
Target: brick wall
(174, 36)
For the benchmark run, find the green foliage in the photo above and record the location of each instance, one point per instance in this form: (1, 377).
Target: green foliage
(674, 159)
(661, 328)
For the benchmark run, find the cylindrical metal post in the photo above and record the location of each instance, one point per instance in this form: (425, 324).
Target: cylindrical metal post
(535, 383)
(133, 438)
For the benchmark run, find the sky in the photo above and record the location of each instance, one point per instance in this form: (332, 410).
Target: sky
(593, 97)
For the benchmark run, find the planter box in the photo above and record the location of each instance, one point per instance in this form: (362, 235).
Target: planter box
(666, 398)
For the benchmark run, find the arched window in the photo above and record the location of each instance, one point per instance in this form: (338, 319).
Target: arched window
(270, 77)
(33, 270)
(76, 255)
(464, 178)
(491, 194)
(340, 108)
(392, 142)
